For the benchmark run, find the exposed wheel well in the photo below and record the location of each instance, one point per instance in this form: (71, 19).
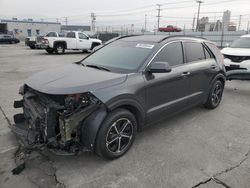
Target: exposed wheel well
(138, 116)
(60, 43)
(94, 44)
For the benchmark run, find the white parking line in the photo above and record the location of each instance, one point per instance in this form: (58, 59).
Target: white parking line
(8, 149)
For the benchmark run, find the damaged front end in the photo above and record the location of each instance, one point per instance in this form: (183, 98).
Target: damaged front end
(54, 121)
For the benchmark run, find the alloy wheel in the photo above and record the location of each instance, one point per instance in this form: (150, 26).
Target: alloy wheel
(217, 93)
(119, 136)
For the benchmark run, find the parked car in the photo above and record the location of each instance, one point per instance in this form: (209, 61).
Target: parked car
(99, 103)
(8, 39)
(169, 28)
(74, 40)
(237, 55)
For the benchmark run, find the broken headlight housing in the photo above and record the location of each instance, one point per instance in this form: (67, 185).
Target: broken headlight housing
(74, 102)
(77, 108)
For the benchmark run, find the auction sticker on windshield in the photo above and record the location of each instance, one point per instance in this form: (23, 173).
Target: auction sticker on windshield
(149, 46)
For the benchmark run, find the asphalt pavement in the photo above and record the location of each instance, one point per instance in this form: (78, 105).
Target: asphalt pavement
(198, 148)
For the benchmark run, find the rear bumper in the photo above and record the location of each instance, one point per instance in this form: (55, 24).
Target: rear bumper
(44, 46)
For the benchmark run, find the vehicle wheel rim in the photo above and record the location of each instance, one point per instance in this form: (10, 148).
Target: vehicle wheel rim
(216, 95)
(60, 49)
(119, 136)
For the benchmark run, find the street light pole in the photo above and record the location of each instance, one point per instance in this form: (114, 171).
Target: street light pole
(198, 14)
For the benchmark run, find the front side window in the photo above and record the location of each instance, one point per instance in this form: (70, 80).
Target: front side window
(172, 53)
(82, 36)
(120, 56)
(194, 51)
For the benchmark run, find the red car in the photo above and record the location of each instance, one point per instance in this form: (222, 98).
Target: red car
(169, 28)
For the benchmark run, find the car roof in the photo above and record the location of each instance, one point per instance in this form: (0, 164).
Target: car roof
(157, 38)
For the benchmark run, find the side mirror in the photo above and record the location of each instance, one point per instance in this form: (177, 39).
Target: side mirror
(160, 67)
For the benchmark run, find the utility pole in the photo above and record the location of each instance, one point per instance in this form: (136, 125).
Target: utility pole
(145, 29)
(66, 21)
(93, 20)
(158, 16)
(198, 14)
(193, 23)
(239, 22)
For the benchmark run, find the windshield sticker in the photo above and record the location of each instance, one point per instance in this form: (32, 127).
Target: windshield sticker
(148, 46)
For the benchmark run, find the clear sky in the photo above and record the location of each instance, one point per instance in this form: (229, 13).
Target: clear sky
(117, 13)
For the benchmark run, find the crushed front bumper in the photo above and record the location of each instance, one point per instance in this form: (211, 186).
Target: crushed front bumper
(238, 75)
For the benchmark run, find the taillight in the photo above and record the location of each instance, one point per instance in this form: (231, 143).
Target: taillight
(45, 41)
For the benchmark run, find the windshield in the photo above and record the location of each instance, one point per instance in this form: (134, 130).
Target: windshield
(241, 43)
(120, 56)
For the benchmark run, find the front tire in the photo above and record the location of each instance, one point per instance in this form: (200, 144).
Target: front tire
(215, 95)
(94, 45)
(59, 49)
(116, 134)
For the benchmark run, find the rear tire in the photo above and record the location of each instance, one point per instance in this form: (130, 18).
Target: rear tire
(59, 49)
(215, 95)
(50, 51)
(116, 134)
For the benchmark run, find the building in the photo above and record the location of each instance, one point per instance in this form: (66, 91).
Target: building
(204, 24)
(226, 20)
(27, 27)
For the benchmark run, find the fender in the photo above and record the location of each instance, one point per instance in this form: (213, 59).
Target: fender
(134, 104)
(216, 77)
(90, 127)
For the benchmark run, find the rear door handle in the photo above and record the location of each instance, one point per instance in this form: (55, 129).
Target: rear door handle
(213, 66)
(185, 73)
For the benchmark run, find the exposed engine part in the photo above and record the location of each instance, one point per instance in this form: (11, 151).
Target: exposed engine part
(54, 121)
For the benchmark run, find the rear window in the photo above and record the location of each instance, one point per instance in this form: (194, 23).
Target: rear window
(194, 51)
(51, 34)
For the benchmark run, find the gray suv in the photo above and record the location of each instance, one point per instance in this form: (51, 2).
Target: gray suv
(101, 102)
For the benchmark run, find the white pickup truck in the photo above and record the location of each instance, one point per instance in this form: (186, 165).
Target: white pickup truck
(73, 40)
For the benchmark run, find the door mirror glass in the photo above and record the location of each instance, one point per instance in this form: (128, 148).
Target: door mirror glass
(160, 67)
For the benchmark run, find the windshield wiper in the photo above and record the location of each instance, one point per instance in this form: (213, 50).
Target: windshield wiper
(97, 67)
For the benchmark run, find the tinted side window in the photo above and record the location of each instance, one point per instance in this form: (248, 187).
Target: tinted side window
(172, 53)
(194, 51)
(71, 35)
(207, 54)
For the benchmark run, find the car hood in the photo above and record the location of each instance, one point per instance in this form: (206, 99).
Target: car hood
(236, 51)
(73, 79)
